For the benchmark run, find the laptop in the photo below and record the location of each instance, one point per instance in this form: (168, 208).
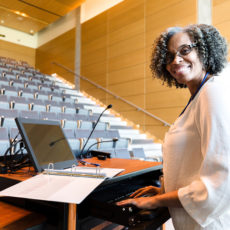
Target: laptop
(46, 143)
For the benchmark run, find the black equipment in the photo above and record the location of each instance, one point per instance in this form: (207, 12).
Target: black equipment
(102, 202)
(15, 157)
(46, 143)
(97, 153)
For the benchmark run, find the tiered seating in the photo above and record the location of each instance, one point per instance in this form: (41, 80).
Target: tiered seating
(25, 92)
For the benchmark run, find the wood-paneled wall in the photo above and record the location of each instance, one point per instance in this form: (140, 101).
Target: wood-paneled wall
(116, 51)
(17, 52)
(60, 50)
(221, 17)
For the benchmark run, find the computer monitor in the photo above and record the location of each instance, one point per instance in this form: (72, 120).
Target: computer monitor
(46, 143)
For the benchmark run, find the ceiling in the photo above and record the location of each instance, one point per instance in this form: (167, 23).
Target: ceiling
(31, 16)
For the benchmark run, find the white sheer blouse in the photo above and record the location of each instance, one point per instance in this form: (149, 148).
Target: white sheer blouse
(196, 159)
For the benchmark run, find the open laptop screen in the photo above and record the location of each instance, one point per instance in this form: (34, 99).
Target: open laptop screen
(45, 143)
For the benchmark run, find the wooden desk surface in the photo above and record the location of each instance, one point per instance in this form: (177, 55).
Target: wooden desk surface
(129, 165)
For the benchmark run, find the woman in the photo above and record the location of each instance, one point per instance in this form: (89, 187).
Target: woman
(196, 149)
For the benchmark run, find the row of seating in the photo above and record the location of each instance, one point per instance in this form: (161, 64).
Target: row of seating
(25, 92)
(76, 143)
(9, 122)
(45, 106)
(44, 93)
(13, 64)
(18, 69)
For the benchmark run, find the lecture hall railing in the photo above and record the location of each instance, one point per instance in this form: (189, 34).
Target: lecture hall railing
(113, 94)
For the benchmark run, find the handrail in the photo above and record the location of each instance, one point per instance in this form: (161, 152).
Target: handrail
(113, 94)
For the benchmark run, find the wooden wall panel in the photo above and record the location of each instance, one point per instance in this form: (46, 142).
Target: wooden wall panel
(94, 56)
(127, 74)
(127, 45)
(153, 7)
(118, 50)
(221, 18)
(122, 106)
(130, 88)
(126, 60)
(165, 99)
(126, 32)
(61, 50)
(17, 52)
(94, 45)
(129, 16)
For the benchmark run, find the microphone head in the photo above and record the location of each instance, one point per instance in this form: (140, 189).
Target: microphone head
(115, 139)
(109, 106)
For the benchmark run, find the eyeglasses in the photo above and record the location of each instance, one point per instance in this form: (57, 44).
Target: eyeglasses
(181, 52)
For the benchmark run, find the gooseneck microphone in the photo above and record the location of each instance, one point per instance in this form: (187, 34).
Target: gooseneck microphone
(108, 107)
(98, 142)
(52, 143)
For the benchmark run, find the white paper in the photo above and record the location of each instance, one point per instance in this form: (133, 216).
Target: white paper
(67, 189)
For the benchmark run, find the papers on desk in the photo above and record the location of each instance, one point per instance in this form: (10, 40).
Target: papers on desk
(59, 188)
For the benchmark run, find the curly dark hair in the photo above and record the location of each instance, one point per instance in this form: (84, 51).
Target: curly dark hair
(210, 45)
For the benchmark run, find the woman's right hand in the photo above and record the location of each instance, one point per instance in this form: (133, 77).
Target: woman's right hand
(149, 190)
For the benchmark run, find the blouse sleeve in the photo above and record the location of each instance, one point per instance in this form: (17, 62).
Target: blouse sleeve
(208, 197)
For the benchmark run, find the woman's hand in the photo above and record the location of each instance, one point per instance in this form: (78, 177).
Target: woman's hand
(169, 199)
(149, 190)
(141, 202)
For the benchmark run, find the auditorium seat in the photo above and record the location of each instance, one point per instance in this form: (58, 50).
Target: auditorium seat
(23, 78)
(85, 125)
(120, 153)
(95, 109)
(10, 76)
(83, 111)
(18, 84)
(51, 103)
(8, 122)
(9, 91)
(35, 95)
(29, 114)
(9, 113)
(4, 140)
(65, 116)
(97, 133)
(75, 144)
(20, 106)
(55, 109)
(4, 104)
(56, 98)
(41, 96)
(91, 145)
(69, 100)
(30, 86)
(38, 107)
(27, 93)
(3, 69)
(70, 110)
(47, 116)
(101, 125)
(4, 82)
(68, 124)
(123, 143)
(138, 153)
(106, 144)
(16, 71)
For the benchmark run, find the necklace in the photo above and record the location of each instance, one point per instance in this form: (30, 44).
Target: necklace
(193, 96)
